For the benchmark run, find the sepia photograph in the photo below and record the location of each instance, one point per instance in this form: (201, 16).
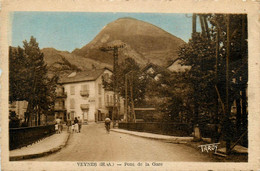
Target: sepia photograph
(85, 83)
(125, 90)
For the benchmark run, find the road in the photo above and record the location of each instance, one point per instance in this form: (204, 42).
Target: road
(94, 144)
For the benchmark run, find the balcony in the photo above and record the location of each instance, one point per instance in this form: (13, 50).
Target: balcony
(84, 106)
(84, 93)
(12, 105)
(59, 108)
(61, 94)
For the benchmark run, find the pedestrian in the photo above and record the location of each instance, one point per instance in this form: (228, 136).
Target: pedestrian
(72, 127)
(61, 124)
(107, 124)
(58, 122)
(69, 124)
(56, 128)
(80, 123)
(76, 124)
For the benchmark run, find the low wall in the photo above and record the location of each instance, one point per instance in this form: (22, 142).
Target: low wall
(174, 129)
(19, 137)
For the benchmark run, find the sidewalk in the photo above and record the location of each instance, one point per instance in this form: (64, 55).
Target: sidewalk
(44, 147)
(155, 136)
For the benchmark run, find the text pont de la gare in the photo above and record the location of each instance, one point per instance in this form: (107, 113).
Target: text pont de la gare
(123, 164)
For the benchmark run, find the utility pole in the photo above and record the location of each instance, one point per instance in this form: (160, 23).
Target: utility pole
(227, 108)
(132, 97)
(114, 48)
(216, 78)
(194, 17)
(126, 99)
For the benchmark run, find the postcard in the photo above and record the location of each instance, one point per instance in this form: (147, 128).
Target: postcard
(130, 85)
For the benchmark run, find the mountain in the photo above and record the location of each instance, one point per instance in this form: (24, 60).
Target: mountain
(143, 42)
(63, 61)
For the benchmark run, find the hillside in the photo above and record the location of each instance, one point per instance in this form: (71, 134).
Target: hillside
(65, 61)
(144, 42)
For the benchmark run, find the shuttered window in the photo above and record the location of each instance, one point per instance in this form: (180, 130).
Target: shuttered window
(72, 90)
(72, 103)
(84, 87)
(99, 88)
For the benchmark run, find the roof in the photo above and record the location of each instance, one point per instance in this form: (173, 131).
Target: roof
(172, 62)
(90, 75)
(177, 66)
(156, 68)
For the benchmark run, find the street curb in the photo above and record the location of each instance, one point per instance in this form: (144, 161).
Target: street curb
(176, 140)
(37, 155)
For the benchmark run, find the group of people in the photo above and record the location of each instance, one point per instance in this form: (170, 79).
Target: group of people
(58, 125)
(74, 126)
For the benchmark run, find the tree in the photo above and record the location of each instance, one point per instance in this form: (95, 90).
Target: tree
(199, 53)
(171, 93)
(18, 81)
(29, 80)
(210, 76)
(130, 69)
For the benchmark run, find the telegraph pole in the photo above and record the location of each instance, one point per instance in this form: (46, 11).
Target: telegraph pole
(132, 97)
(194, 17)
(227, 108)
(114, 48)
(126, 99)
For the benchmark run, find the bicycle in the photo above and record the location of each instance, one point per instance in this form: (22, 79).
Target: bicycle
(107, 127)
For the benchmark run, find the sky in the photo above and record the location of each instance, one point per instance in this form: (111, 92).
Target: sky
(69, 30)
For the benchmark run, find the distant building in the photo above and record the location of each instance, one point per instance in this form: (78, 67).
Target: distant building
(176, 66)
(59, 107)
(153, 70)
(82, 94)
(19, 107)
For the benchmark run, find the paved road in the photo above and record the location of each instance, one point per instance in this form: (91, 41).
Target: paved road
(94, 144)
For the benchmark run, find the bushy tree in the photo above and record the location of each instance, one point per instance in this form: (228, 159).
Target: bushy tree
(199, 53)
(29, 80)
(19, 86)
(170, 93)
(130, 69)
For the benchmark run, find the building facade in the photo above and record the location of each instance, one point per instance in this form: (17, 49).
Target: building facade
(85, 97)
(19, 107)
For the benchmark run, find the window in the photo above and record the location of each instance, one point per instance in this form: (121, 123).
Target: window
(99, 102)
(72, 90)
(99, 88)
(111, 99)
(84, 90)
(72, 103)
(107, 99)
(84, 87)
(24, 104)
(72, 113)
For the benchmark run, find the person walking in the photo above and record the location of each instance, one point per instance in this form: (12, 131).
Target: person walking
(80, 123)
(58, 122)
(76, 124)
(72, 127)
(61, 124)
(69, 124)
(107, 124)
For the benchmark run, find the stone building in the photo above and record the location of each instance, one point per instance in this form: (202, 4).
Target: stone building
(82, 94)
